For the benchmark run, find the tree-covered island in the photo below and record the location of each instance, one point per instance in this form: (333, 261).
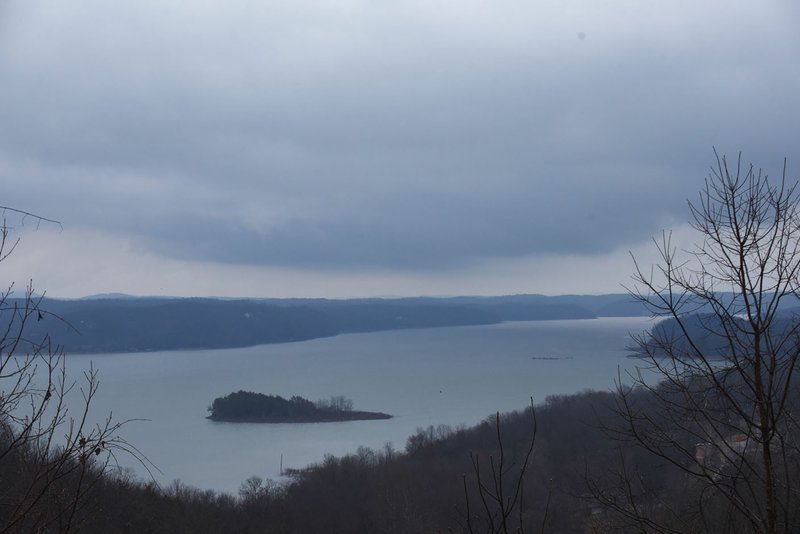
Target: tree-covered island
(249, 407)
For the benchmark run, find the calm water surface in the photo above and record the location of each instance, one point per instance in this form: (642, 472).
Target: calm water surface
(423, 377)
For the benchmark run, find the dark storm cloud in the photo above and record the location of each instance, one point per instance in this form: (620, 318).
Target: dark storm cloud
(374, 136)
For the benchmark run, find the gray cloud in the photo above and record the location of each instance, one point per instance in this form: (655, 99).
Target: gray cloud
(301, 133)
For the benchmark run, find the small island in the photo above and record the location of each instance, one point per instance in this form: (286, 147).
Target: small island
(249, 407)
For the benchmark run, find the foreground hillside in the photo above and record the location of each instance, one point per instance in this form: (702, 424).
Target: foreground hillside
(579, 479)
(420, 489)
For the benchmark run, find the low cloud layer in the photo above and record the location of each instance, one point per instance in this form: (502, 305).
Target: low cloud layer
(413, 138)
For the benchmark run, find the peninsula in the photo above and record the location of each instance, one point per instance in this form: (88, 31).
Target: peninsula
(249, 407)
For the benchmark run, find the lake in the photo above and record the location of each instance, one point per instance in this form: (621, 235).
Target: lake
(453, 376)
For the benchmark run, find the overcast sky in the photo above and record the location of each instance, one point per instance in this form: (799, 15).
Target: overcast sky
(375, 147)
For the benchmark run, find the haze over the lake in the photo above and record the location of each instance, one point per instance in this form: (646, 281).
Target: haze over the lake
(360, 148)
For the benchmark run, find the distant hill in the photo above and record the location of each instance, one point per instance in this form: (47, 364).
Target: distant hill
(135, 325)
(108, 296)
(121, 323)
(710, 337)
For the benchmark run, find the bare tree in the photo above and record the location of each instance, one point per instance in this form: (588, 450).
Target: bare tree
(338, 403)
(500, 484)
(50, 453)
(721, 415)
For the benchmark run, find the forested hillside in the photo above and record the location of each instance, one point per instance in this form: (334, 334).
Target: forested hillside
(150, 324)
(581, 477)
